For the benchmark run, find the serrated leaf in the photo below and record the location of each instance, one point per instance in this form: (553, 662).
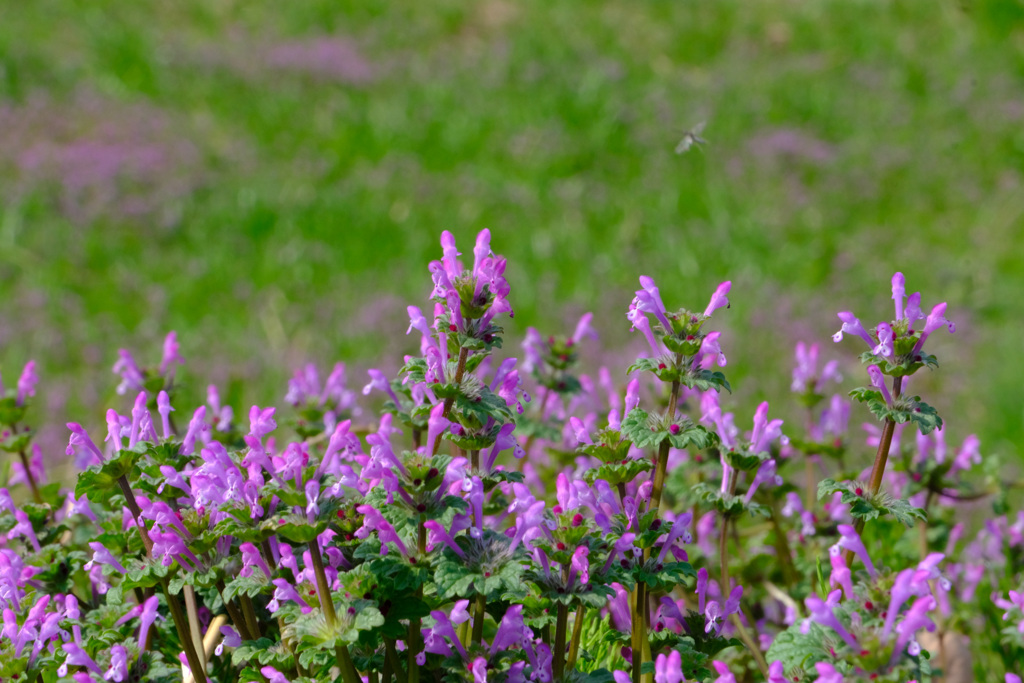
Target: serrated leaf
(865, 506)
(102, 477)
(795, 649)
(905, 409)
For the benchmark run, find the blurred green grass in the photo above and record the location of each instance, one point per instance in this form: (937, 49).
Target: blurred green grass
(848, 140)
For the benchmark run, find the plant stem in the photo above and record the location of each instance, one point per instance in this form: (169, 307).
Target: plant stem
(881, 456)
(385, 674)
(268, 554)
(577, 634)
(249, 613)
(195, 664)
(192, 610)
(415, 640)
(323, 590)
(639, 632)
(561, 626)
(391, 657)
(478, 618)
(348, 669)
(661, 468)
(177, 614)
(236, 616)
(136, 511)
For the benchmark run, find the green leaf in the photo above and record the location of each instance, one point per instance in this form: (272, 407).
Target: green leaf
(795, 649)
(619, 472)
(705, 380)
(14, 443)
(247, 585)
(10, 412)
(294, 528)
(100, 478)
(865, 506)
(728, 504)
(905, 364)
(904, 409)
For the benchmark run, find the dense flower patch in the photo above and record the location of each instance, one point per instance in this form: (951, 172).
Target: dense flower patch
(507, 521)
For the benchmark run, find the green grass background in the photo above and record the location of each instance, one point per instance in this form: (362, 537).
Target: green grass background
(847, 140)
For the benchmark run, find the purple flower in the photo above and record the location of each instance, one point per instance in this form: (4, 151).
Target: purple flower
(669, 668)
(648, 300)
(479, 670)
(914, 620)
(23, 528)
(724, 675)
(680, 529)
(374, 521)
(80, 439)
(436, 424)
(805, 372)
(36, 469)
(640, 322)
(273, 675)
(579, 563)
(131, 375)
(935, 320)
(27, 382)
(827, 673)
(764, 431)
(117, 428)
(443, 629)
(710, 352)
(261, 422)
(196, 427)
(230, 639)
(776, 673)
(719, 298)
(851, 325)
(767, 472)
(822, 614)
(118, 670)
(512, 630)
(171, 355)
(840, 573)
(888, 335)
(702, 586)
(76, 656)
(502, 442)
(286, 591)
(142, 423)
(101, 555)
(379, 381)
(1016, 600)
(632, 395)
(221, 415)
(252, 559)
(850, 540)
(584, 328)
(163, 406)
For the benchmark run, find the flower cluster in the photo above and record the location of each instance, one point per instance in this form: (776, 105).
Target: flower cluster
(621, 528)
